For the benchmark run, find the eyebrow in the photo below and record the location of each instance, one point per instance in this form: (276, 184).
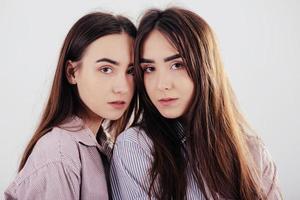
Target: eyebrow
(167, 59)
(108, 60)
(172, 57)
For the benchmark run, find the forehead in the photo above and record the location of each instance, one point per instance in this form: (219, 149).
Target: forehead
(111, 46)
(157, 46)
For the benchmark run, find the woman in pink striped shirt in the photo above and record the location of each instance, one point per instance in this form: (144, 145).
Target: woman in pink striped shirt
(66, 157)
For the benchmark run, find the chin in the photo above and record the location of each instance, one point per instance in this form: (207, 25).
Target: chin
(170, 115)
(113, 116)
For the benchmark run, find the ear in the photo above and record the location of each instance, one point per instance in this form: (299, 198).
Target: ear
(70, 72)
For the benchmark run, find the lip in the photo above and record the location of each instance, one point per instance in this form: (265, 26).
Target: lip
(167, 101)
(117, 104)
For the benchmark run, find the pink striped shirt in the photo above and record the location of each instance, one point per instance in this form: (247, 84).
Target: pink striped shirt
(64, 164)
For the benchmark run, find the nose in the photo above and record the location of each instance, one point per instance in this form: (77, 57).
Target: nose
(164, 80)
(121, 84)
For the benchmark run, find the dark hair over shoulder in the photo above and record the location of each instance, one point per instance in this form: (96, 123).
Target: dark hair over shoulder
(64, 101)
(215, 147)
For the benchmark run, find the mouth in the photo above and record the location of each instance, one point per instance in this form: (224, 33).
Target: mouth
(117, 104)
(167, 101)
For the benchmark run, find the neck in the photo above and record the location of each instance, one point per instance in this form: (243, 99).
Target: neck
(92, 121)
(93, 124)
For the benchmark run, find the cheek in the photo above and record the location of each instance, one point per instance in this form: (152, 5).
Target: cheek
(92, 87)
(149, 85)
(130, 83)
(85, 77)
(189, 88)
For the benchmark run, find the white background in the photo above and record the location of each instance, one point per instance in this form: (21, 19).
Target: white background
(260, 46)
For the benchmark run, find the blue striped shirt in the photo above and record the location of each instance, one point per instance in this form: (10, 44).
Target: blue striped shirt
(132, 159)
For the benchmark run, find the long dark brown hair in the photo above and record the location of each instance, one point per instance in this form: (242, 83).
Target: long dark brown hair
(215, 149)
(64, 100)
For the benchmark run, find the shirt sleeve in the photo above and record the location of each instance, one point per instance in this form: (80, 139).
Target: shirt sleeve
(129, 171)
(54, 180)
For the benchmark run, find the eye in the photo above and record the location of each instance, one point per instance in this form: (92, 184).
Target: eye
(130, 70)
(106, 69)
(177, 65)
(148, 69)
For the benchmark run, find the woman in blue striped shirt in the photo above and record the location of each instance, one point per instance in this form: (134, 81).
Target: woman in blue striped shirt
(189, 140)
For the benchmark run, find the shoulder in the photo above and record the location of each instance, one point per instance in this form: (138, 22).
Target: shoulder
(56, 145)
(57, 148)
(264, 166)
(256, 146)
(53, 160)
(259, 156)
(130, 164)
(132, 145)
(135, 136)
(254, 142)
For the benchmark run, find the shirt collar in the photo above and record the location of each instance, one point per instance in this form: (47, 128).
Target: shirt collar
(182, 135)
(85, 136)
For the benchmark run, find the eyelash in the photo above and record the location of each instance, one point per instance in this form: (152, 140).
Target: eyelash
(151, 68)
(130, 70)
(178, 63)
(102, 69)
(145, 69)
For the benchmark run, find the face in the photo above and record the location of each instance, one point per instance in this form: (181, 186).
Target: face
(165, 77)
(104, 76)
